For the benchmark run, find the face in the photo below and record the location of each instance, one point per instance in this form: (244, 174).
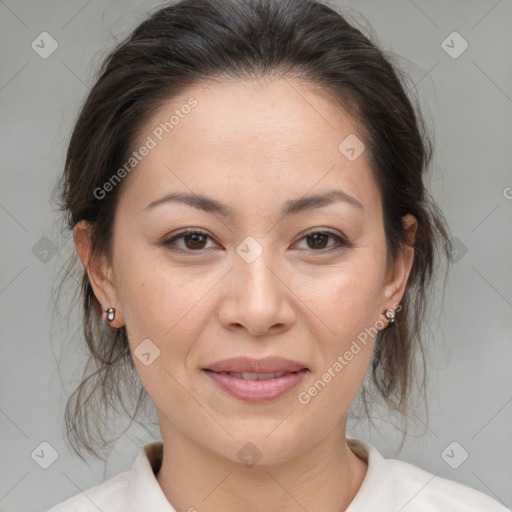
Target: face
(265, 272)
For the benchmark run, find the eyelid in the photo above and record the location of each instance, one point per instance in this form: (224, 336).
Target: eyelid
(181, 233)
(341, 238)
(326, 231)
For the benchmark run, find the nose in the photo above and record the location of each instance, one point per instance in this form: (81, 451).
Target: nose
(258, 297)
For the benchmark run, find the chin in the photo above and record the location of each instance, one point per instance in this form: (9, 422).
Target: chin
(262, 443)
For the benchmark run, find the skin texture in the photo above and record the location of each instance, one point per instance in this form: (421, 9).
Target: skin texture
(251, 145)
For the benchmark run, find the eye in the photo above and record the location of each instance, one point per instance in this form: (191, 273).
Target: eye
(318, 238)
(194, 241)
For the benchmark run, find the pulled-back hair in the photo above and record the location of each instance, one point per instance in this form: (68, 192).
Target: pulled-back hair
(193, 41)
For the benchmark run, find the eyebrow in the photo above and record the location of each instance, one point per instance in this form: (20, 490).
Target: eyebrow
(291, 207)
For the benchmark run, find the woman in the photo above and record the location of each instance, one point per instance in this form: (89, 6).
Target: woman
(245, 186)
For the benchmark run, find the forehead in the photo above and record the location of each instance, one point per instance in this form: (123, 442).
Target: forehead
(245, 137)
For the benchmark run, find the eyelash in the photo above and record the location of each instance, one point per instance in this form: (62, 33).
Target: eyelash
(343, 243)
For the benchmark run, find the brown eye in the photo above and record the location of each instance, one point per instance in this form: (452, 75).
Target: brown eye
(193, 241)
(318, 241)
(196, 241)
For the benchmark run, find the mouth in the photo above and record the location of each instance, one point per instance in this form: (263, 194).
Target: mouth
(254, 376)
(256, 380)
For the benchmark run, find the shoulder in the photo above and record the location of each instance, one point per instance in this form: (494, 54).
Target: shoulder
(135, 489)
(109, 496)
(392, 484)
(428, 492)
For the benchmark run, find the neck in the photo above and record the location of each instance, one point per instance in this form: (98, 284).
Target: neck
(327, 478)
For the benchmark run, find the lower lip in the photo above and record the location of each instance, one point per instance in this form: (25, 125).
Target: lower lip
(257, 390)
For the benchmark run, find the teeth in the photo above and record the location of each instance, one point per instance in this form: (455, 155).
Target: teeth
(257, 376)
(254, 376)
(250, 376)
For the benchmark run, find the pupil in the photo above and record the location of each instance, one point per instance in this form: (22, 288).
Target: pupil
(196, 239)
(317, 237)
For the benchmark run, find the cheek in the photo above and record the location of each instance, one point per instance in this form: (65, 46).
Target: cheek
(346, 300)
(163, 302)
(156, 304)
(347, 303)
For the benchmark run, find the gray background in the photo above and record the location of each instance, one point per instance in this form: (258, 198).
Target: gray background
(468, 103)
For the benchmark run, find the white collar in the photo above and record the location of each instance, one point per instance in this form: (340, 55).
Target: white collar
(143, 487)
(146, 494)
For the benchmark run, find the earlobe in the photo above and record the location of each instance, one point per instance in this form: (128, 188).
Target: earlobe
(98, 271)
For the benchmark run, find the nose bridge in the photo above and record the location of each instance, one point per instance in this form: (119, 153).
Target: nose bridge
(260, 297)
(253, 264)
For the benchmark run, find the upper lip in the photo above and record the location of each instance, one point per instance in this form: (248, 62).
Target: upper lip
(270, 364)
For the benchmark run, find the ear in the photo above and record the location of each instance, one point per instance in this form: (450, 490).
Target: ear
(398, 273)
(99, 271)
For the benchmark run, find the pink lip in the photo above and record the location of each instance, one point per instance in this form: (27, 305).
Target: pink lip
(269, 364)
(256, 390)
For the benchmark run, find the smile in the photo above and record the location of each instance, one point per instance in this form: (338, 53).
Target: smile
(254, 376)
(256, 387)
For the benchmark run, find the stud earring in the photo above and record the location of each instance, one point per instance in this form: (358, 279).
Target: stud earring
(111, 313)
(390, 314)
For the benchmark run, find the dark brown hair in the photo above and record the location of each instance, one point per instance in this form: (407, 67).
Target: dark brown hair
(193, 41)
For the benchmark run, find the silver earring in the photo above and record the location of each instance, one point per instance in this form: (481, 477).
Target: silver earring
(111, 313)
(390, 314)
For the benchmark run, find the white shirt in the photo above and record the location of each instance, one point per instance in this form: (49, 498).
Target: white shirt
(390, 485)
